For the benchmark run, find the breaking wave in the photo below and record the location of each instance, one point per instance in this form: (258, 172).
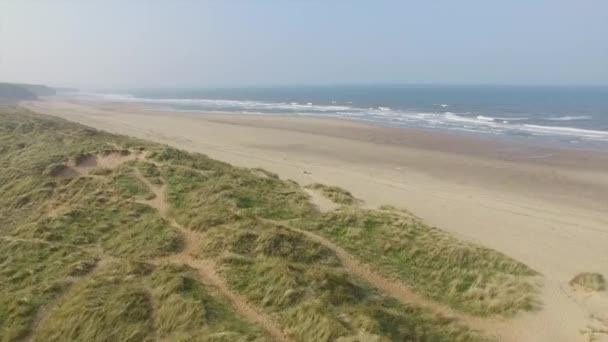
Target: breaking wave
(570, 118)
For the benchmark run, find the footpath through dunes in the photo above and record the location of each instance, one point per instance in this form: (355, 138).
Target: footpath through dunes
(206, 267)
(203, 248)
(190, 255)
(78, 253)
(496, 327)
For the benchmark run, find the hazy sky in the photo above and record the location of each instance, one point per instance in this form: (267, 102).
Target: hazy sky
(207, 43)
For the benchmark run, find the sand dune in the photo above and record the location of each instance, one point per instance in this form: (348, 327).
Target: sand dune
(547, 208)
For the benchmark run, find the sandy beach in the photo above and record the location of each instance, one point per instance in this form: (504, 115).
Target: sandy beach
(545, 207)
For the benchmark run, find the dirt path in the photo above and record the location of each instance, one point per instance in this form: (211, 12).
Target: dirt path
(493, 327)
(206, 267)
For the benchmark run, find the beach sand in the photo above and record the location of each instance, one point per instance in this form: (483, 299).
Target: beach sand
(545, 207)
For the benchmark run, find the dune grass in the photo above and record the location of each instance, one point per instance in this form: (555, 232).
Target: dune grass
(81, 255)
(204, 193)
(129, 185)
(302, 283)
(54, 232)
(589, 281)
(91, 213)
(32, 274)
(465, 276)
(136, 301)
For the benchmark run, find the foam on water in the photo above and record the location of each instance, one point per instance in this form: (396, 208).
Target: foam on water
(570, 118)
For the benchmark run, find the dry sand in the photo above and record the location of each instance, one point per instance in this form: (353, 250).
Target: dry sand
(545, 207)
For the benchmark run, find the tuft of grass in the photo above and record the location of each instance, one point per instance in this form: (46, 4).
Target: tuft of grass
(130, 186)
(589, 281)
(150, 171)
(100, 171)
(465, 276)
(334, 193)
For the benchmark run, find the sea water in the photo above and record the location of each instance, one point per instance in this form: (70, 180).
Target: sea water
(574, 116)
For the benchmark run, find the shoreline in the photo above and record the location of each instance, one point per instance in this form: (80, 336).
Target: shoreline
(541, 142)
(550, 213)
(557, 123)
(506, 147)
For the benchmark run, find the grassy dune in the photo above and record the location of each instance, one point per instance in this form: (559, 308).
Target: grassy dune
(73, 250)
(302, 283)
(465, 276)
(84, 255)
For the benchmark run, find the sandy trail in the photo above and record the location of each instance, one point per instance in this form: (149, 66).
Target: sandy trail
(549, 213)
(491, 327)
(206, 267)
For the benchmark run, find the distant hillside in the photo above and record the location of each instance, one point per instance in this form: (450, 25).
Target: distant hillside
(18, 92)
(15, 92)
(38, 89)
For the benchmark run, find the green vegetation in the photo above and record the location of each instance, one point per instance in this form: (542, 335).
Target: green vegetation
(334, 193)
(55, 231)
(33, 273)
(88, 251)
(141, 302)
(302, 283)
(204, 193)
(589, 281)
(253, 238)
(467, 277)
(130, 186)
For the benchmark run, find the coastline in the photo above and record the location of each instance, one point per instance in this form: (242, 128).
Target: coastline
(548, 212)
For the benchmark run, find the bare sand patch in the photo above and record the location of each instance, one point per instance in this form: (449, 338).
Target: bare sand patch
(112, 159)
(87, 163)
(321, 202)
(67, 172)
(106, 159)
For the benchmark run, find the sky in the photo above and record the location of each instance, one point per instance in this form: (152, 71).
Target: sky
(137, 43)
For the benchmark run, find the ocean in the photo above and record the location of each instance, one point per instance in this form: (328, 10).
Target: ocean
(571, 116)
